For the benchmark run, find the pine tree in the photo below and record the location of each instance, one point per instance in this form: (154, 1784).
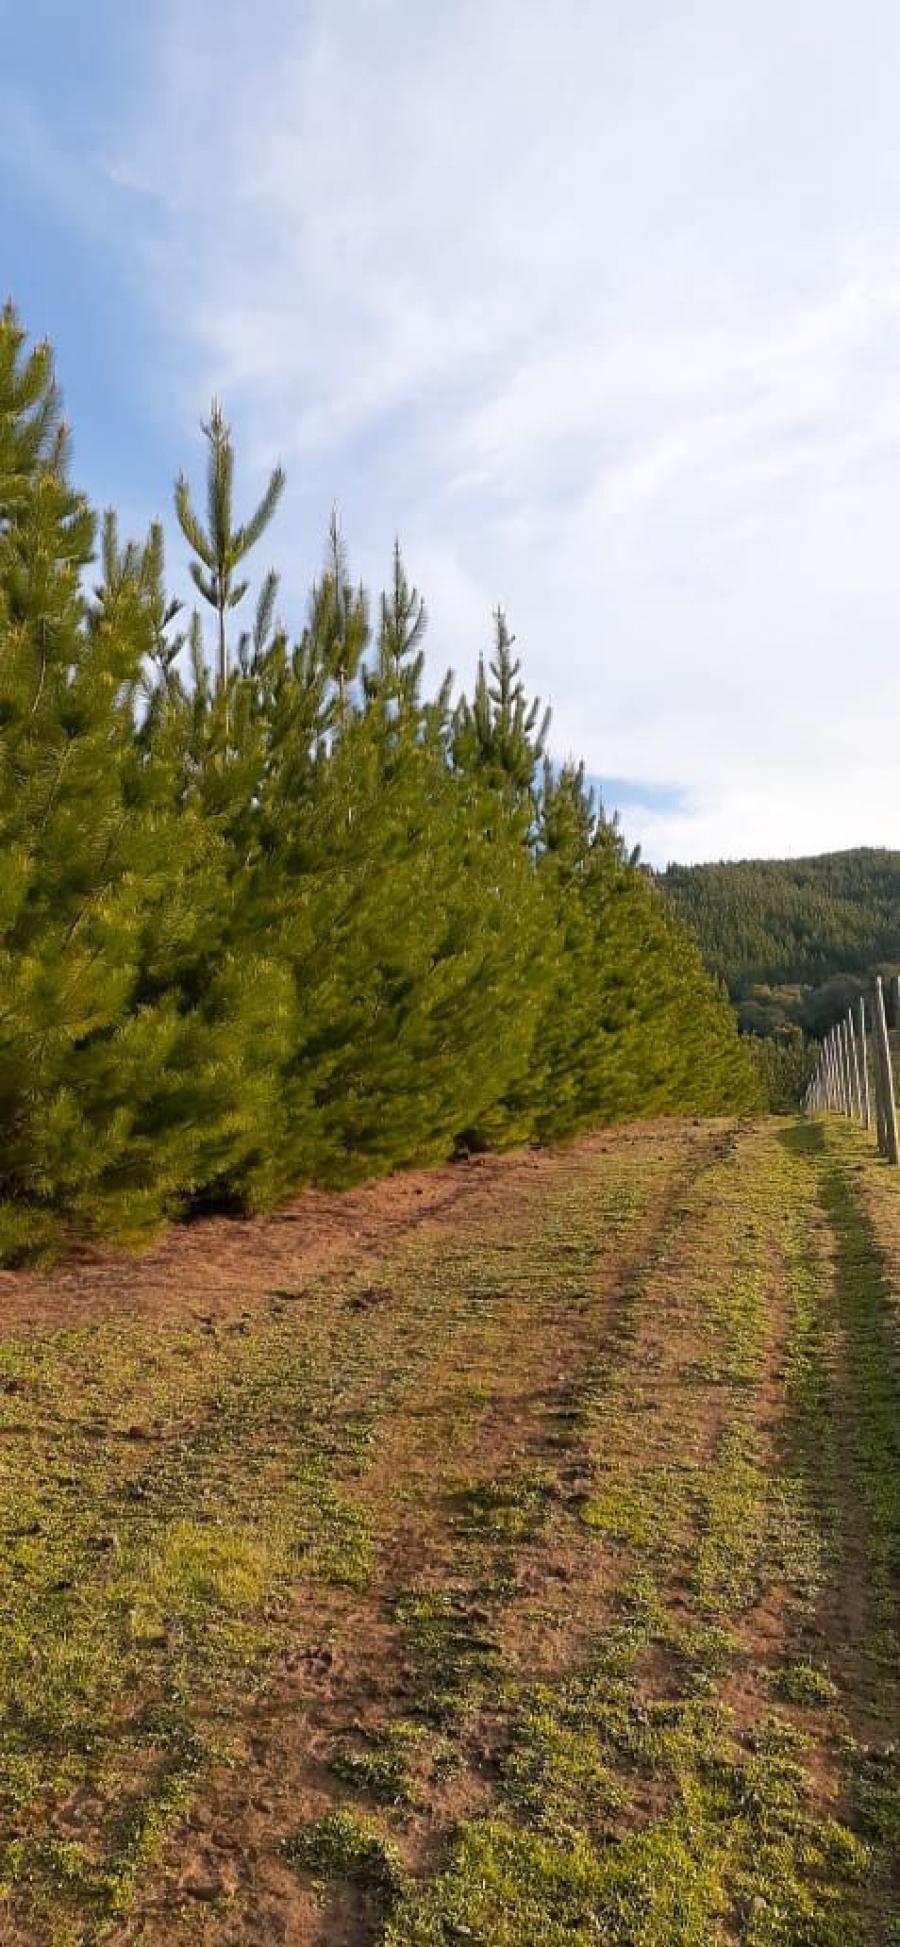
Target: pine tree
(497, 746)
(636, 1026)
(394, 684)
(339, 624)
(79, 865)
(31, 433)
(499, 730)
(440, 918)
(125, 1033)
(221, 546)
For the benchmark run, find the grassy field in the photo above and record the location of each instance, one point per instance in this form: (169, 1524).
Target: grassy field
(522, 1572)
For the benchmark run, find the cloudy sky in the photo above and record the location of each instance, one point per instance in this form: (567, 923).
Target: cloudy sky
(596, 303)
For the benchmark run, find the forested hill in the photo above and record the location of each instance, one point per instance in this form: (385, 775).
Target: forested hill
(791, 937)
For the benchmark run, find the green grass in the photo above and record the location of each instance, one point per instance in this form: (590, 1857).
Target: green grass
(348, 1846)
(852, 1194)
(165, 1490)
(378, 1762)
(143, 1583)
(696, 1523)
(624, 1427)
(801, 1682)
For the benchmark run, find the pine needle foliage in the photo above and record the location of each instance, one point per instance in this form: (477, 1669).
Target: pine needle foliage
(220, 547)
(302, 922)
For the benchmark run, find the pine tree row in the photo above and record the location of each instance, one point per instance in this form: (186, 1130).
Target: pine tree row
(302, 922)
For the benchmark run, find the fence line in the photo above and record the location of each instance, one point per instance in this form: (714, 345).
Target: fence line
(854, 1070)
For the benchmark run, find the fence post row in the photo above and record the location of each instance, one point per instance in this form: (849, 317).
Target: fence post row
(842, 1081)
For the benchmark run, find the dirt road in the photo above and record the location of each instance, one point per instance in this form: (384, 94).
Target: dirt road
(505, 1554)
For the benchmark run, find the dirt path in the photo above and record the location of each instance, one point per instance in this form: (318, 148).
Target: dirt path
(219, 1267)
(506, 1554)
(538, 1303)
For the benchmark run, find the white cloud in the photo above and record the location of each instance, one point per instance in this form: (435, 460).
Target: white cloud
(598, 305)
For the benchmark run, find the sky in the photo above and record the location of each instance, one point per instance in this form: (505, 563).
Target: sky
(595, 304)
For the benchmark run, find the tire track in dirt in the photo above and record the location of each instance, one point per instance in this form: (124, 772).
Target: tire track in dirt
(351, 1664)
(668, 1377)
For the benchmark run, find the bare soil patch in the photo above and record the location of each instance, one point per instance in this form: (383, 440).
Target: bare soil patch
(224, 1264)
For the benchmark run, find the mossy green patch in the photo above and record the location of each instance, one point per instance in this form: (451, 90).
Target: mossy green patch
(346, 1845)
(378, 1761)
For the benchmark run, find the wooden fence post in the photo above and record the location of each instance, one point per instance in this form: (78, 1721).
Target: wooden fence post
(832, 1072)
(867, 1102)
(885, 1075)
(843, 1069)
(880, 1124)
(841, 1077)
(854, 1062)
(848, 1069)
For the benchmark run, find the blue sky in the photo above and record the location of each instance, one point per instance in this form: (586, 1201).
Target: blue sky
(62, 260)
(597, 305)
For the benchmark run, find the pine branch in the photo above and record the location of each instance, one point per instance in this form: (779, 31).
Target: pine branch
(207, 584)
(189, 524)
(247, 536)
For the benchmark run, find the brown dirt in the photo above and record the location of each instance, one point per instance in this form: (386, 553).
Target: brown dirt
(225, 1264)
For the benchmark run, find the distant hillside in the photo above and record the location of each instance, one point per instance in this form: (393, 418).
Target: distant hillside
(793, 938)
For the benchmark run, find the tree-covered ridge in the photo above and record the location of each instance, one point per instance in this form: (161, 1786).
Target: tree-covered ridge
(793, 938)
(302, 922)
